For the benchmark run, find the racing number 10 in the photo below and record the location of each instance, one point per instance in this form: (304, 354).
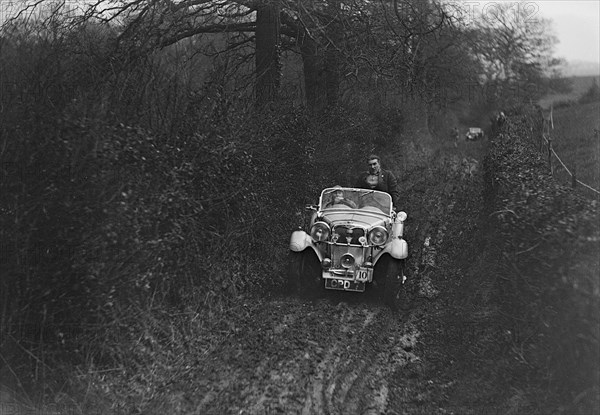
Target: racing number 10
(361, 275)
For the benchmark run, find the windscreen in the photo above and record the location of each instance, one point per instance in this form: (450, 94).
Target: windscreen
(351, 198)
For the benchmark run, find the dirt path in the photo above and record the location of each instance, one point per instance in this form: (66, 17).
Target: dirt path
(311, 358)
(343, 353)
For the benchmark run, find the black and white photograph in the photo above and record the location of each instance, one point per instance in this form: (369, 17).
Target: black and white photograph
(299, 207)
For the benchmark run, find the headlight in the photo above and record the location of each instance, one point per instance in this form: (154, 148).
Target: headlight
(401, 216)
(378, 236)
(320, 232)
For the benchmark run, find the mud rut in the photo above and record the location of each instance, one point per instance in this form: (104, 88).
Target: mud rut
(339, 354)
(358, 384)
(336, 360)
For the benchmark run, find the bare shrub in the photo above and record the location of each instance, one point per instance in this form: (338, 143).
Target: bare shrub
(548, 237)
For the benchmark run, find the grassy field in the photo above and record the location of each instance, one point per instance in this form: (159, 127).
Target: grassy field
(580, 84)
(576, 141)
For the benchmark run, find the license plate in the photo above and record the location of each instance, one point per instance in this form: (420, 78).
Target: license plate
(344, 285)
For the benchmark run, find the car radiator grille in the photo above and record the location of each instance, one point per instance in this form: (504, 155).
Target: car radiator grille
(347, 234)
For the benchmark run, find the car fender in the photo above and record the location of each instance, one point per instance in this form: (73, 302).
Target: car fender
(397, 248)
(300, 240)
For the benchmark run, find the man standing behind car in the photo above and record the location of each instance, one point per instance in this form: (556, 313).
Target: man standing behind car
(377, 178)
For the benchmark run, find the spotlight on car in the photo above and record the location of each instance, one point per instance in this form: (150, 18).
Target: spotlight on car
(401, 216)
(347, 261)
(326, 263)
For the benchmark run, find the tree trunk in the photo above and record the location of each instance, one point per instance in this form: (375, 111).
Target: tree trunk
(332, 77)
(268, 71)
(314, 82)
(332, 57)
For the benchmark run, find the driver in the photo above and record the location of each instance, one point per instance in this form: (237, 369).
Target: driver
(338, 198)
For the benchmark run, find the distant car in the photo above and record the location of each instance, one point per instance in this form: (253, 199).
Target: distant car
(354, 238)
(474, 133)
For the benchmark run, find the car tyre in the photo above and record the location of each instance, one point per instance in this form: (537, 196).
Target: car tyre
(293, 272)
(393, 290)
(304, 273)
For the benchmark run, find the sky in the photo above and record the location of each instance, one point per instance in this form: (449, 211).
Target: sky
(576, 25)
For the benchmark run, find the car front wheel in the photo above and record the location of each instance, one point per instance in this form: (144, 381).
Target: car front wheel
(304, 272)
(391, 272)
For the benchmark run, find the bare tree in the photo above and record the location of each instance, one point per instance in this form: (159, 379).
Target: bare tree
(268, 73)
(515, 48)
(407, 44)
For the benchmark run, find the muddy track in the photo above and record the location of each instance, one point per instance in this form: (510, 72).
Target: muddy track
(333, 355)
(342, 353)
(325, 357)
(352, 376)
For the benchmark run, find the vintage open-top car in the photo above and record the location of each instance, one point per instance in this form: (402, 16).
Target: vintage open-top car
(474, 133)
(355, 238)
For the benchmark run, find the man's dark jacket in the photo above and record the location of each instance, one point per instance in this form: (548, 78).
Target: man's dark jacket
(387, 183)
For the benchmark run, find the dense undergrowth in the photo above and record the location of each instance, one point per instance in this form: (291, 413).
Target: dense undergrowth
(123, 205)
(547, 240)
